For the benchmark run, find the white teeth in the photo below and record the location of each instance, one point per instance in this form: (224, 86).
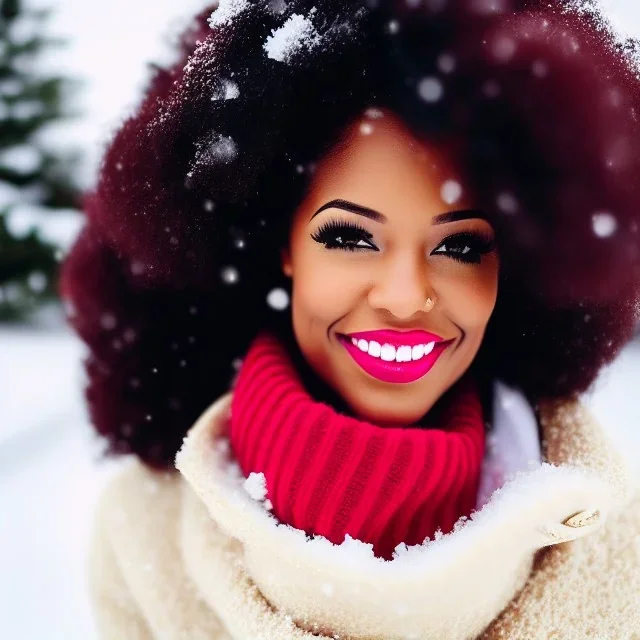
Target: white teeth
(374, 349)
(388, 352)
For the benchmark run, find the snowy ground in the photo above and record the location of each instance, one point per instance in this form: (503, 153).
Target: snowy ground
(49, 477)
(48, 483)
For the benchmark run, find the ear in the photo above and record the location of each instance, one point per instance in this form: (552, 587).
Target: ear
(285, 261)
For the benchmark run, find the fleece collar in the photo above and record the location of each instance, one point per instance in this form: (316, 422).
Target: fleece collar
(345, 589)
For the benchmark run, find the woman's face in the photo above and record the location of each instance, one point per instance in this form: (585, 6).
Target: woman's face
(387, 224)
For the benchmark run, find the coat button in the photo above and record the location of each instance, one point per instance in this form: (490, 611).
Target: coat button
(582, 518)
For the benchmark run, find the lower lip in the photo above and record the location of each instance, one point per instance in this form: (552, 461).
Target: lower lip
(397, 372)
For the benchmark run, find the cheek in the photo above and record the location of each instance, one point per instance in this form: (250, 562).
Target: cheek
(469, 296)
(325, 288)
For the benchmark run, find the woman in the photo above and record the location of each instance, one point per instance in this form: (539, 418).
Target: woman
(366, 257)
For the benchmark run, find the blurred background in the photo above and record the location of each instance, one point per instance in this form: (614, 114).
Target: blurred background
(70, 70)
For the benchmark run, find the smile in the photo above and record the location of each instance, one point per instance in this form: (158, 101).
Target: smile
(395, 356)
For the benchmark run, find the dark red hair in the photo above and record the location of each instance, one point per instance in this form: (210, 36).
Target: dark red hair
(168, 281)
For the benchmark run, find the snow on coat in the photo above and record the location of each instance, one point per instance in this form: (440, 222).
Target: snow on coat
(553, 553)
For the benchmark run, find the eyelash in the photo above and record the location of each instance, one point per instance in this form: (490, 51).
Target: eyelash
(330, 232)
(333, 230)
(479, 244)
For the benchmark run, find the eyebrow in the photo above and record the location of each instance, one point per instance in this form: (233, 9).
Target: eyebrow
(462, 214)
(441, 218)
(354, 208)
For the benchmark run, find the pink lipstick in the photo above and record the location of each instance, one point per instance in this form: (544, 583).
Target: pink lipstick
(395, 356)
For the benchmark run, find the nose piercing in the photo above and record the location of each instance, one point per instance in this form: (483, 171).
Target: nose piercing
(429, 304)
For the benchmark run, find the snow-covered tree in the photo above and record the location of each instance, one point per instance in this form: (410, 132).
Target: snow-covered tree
(35, 182)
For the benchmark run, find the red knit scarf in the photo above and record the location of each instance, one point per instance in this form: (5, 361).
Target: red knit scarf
(330, 474)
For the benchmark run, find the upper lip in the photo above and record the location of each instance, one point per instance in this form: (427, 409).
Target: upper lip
(397, 338)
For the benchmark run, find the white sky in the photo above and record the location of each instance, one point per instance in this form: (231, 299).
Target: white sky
(110, 42)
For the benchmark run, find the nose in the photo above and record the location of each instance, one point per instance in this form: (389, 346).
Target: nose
(402, 286)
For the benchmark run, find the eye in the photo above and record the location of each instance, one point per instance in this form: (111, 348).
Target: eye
(466, 247)
(348, 236)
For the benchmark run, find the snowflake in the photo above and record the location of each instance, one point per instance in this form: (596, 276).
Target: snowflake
(604, 224)
(295, 34)
(430, 89)
(451, 191)
(278, 299)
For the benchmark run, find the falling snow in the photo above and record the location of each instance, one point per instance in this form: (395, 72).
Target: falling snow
(137, 268)
(540, 68)
(430, 89)
(278, 299)
(37, 281)
(503, 49)
(108, 321)
(604, 224)
(507, 202)
(393, 26)
(451, 191)
(230, 275)
(79, 473)
(446, 63)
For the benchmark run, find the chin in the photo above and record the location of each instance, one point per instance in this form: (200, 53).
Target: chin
(385, 415)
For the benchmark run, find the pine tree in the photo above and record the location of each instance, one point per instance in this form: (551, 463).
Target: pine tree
(35, 184)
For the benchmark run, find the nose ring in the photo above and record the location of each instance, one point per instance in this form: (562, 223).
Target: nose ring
(429, 304)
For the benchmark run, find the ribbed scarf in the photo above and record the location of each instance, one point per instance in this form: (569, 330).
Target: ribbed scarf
(331, 474)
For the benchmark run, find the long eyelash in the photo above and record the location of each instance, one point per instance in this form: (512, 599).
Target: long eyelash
(480, 242)
(327, 232)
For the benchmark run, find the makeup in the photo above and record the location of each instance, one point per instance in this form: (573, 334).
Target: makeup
(395, 356)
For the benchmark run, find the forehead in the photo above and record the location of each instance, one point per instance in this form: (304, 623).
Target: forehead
(380, 163)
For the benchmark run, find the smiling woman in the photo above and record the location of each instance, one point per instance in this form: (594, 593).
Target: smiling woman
(354, 263)
(372, 241)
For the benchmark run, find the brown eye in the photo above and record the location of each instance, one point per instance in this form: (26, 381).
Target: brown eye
(466, 247)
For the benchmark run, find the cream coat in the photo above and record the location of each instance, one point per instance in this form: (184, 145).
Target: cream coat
(554, 553)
